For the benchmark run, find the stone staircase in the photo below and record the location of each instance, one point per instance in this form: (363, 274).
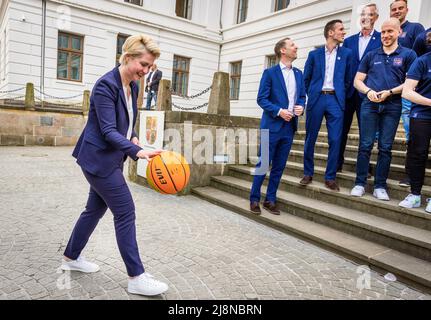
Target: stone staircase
(378, 233)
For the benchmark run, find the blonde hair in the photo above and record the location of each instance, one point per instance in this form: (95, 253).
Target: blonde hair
(136, 45)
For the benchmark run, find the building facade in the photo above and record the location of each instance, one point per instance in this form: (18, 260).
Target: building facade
(64, 46)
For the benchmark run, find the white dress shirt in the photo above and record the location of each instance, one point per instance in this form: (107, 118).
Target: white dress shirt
(330, 58)
(290, 83)
(363, 43)
(130, 111)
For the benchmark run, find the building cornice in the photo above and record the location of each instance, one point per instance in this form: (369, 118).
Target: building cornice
(142, 22)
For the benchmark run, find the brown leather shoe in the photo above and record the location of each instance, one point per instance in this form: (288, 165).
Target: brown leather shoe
(255, 208)
(306, 180)
(331, 184)
(271, 207)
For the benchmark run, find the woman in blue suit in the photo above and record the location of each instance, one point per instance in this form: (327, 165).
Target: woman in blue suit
(107, 140)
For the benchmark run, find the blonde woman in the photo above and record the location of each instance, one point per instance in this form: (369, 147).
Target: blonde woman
(107, 140)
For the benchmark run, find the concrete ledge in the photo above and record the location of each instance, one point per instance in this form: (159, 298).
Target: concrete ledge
(211, 119)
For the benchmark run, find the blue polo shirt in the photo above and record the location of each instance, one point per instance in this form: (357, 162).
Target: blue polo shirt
(421, 71)
(385, 72)
(410, 31)
(420, 46)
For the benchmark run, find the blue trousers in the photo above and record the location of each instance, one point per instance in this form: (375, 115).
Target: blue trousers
(353, 105)
(279, 148)
(112, 192)
(382, 118)
(405, 116)
(150, 96)
(327, 106)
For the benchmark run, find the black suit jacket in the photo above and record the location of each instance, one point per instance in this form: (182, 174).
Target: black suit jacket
(155, 81)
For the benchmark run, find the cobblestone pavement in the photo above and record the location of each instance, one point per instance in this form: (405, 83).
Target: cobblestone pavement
(202, 251)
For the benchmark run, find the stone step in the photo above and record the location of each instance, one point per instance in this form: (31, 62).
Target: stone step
(346, 179)
(368, 204)
(396, 172)
(398, 157)
(404, 238)
(353, 140)
(355, 130)
(405, 267)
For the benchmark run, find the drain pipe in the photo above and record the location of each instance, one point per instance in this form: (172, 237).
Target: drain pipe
(221, 28)
(42, 53)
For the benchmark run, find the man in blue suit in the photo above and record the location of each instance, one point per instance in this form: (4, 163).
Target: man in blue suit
(327, 77)
(282, 97)
(361, 43)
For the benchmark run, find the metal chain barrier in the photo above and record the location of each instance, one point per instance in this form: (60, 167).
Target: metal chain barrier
(190, 98)
(16, 98)
(191, 108)
(58, 98)
(14, 90)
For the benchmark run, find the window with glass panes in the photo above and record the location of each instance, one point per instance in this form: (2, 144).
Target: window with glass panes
(69, 56)
(235, 79)
(281, 4)
(137, 2)
(242, 11)
(271, 61)
(183, 8)
(180, 75)
(121, 38)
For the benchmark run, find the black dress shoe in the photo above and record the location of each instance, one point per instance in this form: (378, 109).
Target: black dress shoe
(271, 207)
(332, 185)
(255, 208)
(306, 180)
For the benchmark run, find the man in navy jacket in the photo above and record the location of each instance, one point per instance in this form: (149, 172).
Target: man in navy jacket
(327, 76)
(360, 43)
(282, 97)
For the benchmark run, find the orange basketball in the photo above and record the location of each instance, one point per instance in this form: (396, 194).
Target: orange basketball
(168, 173)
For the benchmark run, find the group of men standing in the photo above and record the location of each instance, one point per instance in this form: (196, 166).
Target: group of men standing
(363, 74)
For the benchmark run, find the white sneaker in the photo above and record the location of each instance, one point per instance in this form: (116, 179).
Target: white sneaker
(428, 208)
(381, 194)
(411, 201)
(79, 264)
(146, 285)
(357, 191)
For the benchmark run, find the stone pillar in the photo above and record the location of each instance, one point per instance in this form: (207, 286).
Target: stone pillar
(219, 99)
(141, 93)
(86, 102)
(29, 96)
(164, 98)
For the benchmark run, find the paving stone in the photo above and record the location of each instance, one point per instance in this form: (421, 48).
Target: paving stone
(202, 251)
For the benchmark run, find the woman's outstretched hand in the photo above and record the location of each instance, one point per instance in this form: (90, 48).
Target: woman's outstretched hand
(148, 154)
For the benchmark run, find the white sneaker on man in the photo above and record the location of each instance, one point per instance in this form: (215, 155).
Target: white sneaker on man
(357, 191)
(428, 207)
(381, 194)
(411, 201)
(146, 285)
(79, 264)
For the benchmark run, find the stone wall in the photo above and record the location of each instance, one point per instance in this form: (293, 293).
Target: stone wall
(19, 127)
(200, 174)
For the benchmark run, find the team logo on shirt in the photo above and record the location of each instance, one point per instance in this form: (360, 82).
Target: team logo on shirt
(403, 35)
(398, 62)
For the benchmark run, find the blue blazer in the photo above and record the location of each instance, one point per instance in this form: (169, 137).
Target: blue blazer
(314, 75)
(352, 43)
(272, 96)
(103, 146)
